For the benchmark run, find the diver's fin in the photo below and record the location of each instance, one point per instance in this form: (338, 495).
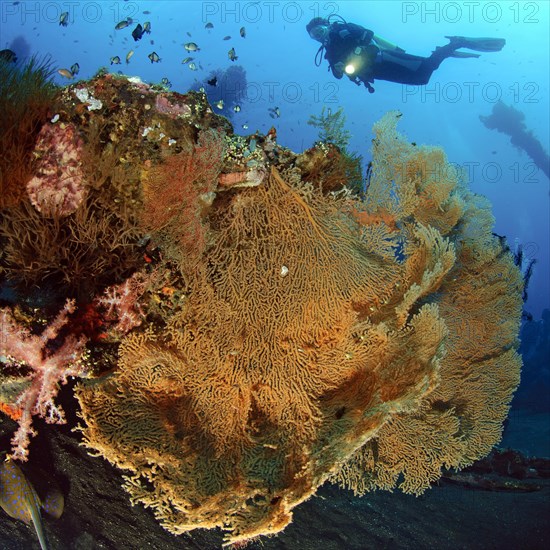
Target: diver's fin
(478, 44)
(464, 54)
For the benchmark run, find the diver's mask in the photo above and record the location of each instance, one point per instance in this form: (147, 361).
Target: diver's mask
(319, 33)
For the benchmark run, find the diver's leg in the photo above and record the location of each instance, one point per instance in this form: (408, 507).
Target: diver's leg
(456, 42)
(424, 72)
(443, 52)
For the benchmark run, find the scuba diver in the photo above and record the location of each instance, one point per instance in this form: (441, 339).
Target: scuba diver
(365, 57)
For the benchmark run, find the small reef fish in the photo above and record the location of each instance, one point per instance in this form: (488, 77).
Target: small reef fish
(66, 73)
(209, 26)
(187, 59)
(123, 24)
(75, 69)
(153, 56)
(129, 56)
(115, 60)
(191, 47)
(242, 32)
(166, 82)
(237, 108)
(137, 33)
(227, 37)
(147, 27)
(274, 112)
(192, 66)
(64, 19)
(19, 499)
(212, 81)
(219, 104)
(231, 54)
(245, 126)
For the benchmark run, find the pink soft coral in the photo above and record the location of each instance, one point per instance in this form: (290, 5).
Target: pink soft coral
(42, 368)
(165, 106)
(122, 305)
(57, 187)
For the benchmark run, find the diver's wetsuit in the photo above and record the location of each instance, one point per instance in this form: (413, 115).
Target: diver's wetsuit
(342, 40)
(375, 63)
(405, 68)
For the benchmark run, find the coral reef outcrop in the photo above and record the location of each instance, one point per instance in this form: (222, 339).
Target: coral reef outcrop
(288, 332)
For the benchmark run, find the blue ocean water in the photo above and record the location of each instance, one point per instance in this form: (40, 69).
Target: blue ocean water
(278, 57)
